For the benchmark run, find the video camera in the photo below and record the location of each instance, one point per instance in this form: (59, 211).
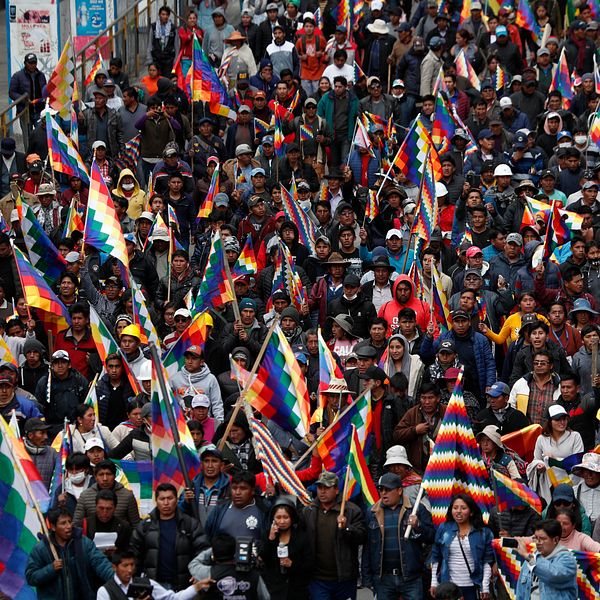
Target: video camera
(140, 587)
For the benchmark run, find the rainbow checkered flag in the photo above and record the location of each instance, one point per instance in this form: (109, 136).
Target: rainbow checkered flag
(42, 252)
(98, 64)
(208, 203)
(142, 315)
(130, 155)
(372, 207)
(465, 69)
(102, 226)
(279, 390)
(274, 463)
(455, 464)
(427, 215)
(60, 83)
(62, 152)
(511, 494)
(246, 263)
(359, 472)
(165, 463)
(444, 125)
(526, 19)
(412, 154)
(562, 81)
(215, 289)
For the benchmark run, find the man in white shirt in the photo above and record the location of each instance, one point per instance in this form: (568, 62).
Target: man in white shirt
(339, 67)
(124, 566)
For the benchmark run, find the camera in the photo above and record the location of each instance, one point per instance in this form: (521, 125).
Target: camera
(140, 587)
(244, 557)
(473, 179)
(508, 542)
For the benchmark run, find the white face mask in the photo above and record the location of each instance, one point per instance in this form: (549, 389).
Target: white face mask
(580, 139)
(350, 297)
(565, 145)
(128, 186)
(77, 478)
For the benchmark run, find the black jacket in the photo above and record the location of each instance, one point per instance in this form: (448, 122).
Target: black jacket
(189, 542)
(513, 420)
(360, 309)
(524, 362)
(347, 541)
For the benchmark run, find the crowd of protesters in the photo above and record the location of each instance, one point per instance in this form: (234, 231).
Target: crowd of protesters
(523, 328)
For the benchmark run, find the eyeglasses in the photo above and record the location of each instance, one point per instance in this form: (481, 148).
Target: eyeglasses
(180, 319)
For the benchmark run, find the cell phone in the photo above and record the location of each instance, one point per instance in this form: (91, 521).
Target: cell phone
(509, 542)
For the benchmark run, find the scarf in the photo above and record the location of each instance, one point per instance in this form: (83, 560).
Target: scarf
(581, 44)
(162, 33)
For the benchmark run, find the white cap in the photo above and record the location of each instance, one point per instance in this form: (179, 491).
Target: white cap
(200, 401)
(556, 410)
(61, 355)
(183, 312)
(505, 102)
(72, 257)
(502, 170)
(94, 443)
(440, 189)
(376, 5)
(98, 144)
(160, 234)
(393, 232)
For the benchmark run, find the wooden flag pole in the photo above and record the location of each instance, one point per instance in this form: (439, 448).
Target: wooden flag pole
(345, 490)
(327, 429)
(240, 400)
(172, 423)
(32, 500)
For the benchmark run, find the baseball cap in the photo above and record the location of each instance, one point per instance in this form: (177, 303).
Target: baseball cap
(374, 372)
(247, 303)
(328, 479)
(60, 355)
(36, 424)
(257, 171)
(352, 280)
(72, 257)
(310, 101)
(182, 312)
(110, 83)
(221, 199)
(450, 374)
(543, 51)
(498, 389)
(210, 450)
(459, 314)
(556, 411)
(268, 139)
(393, 232)
(389, 481)
(501, 30)
(473, 251)
(200, 401)
(243, 149)
(589, 184)
(98, 144)
(485, 134)
(93, 443)
(505, 102)
(398, 83)
(514, 238)
(195, 350)
(520, 141)
(30, 58)
(447, 346)
(372, 80)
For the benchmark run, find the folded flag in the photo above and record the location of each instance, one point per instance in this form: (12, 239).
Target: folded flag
(275, 465)
(261, 127)
(215, 289)
(523, 441)
(59, 89)
(130, 155)
(511, 493)
(246, 263)
(208, 203)
(306, 134)
(195, 334)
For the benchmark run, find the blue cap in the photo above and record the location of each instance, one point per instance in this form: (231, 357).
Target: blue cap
(130, 237)
(247, 303)
(341, 28)
(498, 389)
(485, 134)
(268, 139)
(563, 134)
(257, 171)
(501, 30)
(301, 357)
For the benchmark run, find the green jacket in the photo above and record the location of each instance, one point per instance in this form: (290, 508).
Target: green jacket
(326, 107)
(73, 582)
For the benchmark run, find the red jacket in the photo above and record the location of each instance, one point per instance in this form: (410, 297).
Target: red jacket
(389, 311)
(78, 351)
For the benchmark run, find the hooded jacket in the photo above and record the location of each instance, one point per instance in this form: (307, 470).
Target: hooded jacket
(29, 376)
(186, 385)
(389, 311)
(556, 575)
(127, 508)
(137, 199)
(360, 309)
(525, 279)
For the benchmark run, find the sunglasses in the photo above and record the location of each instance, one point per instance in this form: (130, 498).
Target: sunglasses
(180, 319)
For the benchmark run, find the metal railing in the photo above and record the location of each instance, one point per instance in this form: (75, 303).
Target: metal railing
(126, 37)
(6, 121)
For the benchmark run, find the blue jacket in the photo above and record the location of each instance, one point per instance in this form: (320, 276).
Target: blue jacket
(484, 358)
(556, 573)
(411, 549)
(326, 107)
(355, 164)
(480, 543)
(80, 558)
(220, 489)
